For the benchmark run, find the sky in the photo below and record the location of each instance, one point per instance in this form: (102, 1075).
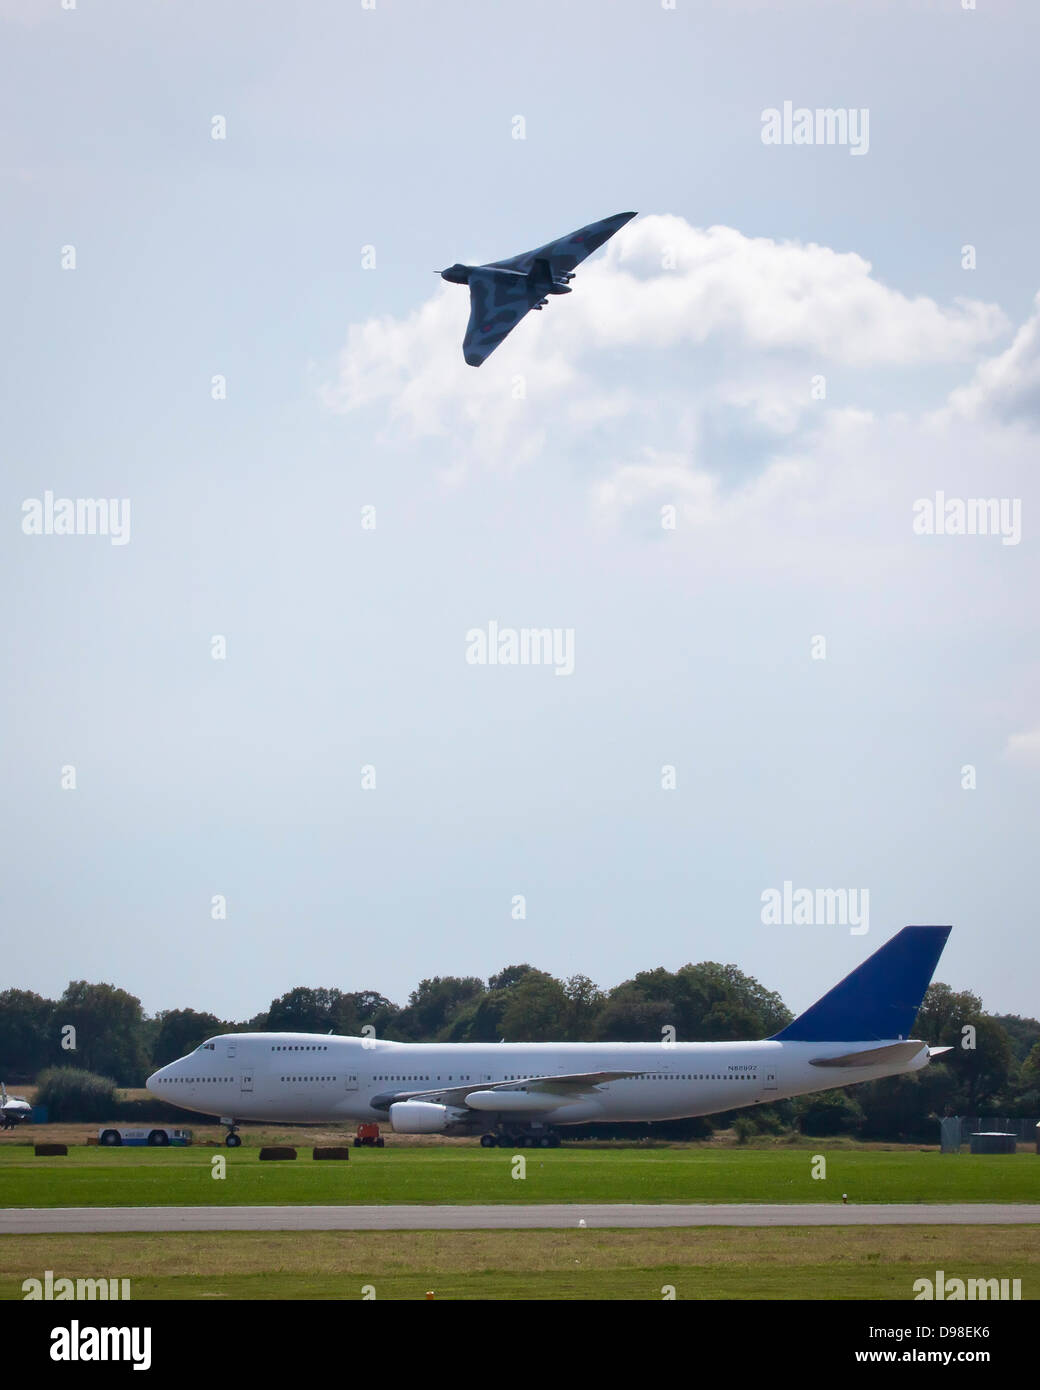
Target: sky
(245, 747)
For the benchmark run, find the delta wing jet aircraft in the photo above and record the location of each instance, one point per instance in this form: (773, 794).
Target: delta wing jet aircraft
(524, 1093)
(501, 292)
(13, 1109)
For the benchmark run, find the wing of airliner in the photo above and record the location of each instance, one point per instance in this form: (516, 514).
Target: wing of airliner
(570, 1084)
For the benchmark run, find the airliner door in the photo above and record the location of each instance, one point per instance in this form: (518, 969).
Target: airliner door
(769, 1080)
(247, 1079)
(352, 1083)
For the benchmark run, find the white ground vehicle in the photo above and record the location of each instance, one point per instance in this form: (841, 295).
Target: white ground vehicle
(157, 1136)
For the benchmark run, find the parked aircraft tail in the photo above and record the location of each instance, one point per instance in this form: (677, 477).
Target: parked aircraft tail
(880, 998)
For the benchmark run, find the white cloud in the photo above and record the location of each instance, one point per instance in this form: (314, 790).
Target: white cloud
(690, 388)
(1024, 748)
(1006, 387)
(687, 386)
(748, 299)
(771, 295)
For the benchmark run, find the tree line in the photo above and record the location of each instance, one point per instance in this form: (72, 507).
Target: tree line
(994, 1066)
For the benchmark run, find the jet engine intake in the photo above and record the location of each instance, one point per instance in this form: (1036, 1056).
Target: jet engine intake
(423, 1117)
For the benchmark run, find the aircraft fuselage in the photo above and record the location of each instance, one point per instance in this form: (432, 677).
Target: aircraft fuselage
(298, 1077)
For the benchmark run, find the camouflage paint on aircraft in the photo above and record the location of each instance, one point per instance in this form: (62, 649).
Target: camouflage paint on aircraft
(502, 292)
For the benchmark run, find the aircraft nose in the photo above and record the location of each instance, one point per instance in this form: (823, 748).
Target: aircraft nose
(152, 1084)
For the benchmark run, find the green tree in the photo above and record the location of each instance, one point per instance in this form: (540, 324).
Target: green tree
(110, 1028)
(1023, 1033)
(630, 1015)
(984, 1069)
(27, 1034)
(703, 1003)
(981, 1059)
(1026, 1097)
(509, 976)
(535, 1009)
(907, 1107)
(373, 1009)
(313, 1010)
(520, 1004)
(584, 1002)
(719, 1003)
(69, 1093)
(433, 1006)
(480, 1020)
(830, 1112)
(180, 1031)
(943, 1014)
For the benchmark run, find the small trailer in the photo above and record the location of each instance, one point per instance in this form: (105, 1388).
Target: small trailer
(156, 1137)
(368, 1136)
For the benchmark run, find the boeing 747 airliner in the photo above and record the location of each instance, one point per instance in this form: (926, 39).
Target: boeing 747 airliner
(524, 1093)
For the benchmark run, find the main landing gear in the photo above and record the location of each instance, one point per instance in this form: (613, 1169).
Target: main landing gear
(540, 1139)
(233, 1139)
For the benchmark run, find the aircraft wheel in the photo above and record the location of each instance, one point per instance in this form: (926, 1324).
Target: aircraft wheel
(554, 1141)
(233, 1141)
(487, 1141)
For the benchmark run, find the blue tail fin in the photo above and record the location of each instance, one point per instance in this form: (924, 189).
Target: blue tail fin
(881, 997)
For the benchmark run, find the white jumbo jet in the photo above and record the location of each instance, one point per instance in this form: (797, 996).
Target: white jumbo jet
(523, 1093)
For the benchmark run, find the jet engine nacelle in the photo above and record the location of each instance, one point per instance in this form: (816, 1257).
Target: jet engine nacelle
(423, 1117)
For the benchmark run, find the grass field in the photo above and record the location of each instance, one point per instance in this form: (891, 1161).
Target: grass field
(784, 1263)
(182, 1177)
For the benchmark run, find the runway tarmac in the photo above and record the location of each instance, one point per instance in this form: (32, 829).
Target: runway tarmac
(69, 1220)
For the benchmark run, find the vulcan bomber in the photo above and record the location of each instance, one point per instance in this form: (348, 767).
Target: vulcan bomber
(502, 292)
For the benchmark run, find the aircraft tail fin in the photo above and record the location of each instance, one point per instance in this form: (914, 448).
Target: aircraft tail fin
(880, 998)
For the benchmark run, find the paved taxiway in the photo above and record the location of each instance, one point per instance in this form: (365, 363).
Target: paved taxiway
(69, 1220)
